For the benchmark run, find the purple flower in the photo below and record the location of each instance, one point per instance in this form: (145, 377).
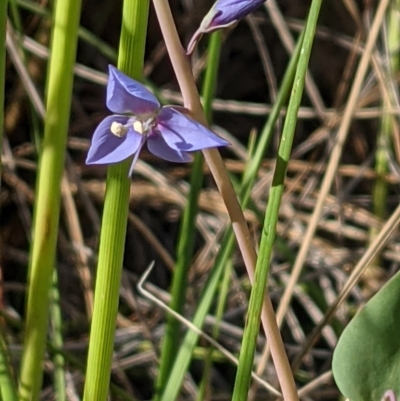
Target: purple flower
(139, 118)
(222, 14)
(389, 396)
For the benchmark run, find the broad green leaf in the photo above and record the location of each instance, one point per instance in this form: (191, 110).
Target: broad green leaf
(366, 361)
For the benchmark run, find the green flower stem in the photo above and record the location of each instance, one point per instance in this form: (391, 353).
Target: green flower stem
(217, 167)
(208, 92)
(115, 214)
(172, 341)
(3, 24)
(224, 289)
(8, 388)
(246, 357)
(186, 242)
(184, 356)
(42, 258)
(210, 79)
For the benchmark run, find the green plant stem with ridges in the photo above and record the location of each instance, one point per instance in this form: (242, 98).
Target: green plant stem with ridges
(186, 242)
(251, 331)
(251, 171)
(115, 215)
(210, 82)
(184, 356)
(47, 207)
(171, 341)
(8, 388)
(57, 341)
(208, 360)
(227, 244)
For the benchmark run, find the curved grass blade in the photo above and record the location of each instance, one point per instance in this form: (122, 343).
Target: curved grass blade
(246, 358)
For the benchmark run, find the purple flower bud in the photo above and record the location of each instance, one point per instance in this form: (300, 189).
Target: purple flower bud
(140, 118)
(222, 14)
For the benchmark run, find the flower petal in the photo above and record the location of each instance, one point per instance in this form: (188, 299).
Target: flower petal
(228, 11)
(157, 146)
(125, 95)
(182, 133)
(107, 148)
(222, 14)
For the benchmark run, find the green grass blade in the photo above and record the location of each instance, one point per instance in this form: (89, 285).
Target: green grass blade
(179, 284)
(275, 195)
(185, 352)
(251, 171)
(57, 341)
(224, 289)
(8, 388)
(381, 187)
(115, 214)
(42, 258)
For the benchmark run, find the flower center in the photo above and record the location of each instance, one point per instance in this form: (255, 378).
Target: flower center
(141, 124)
(144, 125)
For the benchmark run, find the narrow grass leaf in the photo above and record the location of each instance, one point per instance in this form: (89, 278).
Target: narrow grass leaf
(8, 385)
(115, 215)
(275, 195)
(47, 207)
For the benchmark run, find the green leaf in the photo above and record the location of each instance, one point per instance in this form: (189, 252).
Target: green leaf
(366, 361)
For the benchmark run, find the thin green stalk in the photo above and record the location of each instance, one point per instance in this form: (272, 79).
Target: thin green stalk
(8, 388)
(208, 360)
(185, 352)
(251, 171)
(171, 341)
(209, 86)
(57, 341)
(15, 15)
(3, 24)
(246, 357)
(186, 242)
(380, 190)
(227, 244)
(211, 76)
(115, 215)
(42, 257)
